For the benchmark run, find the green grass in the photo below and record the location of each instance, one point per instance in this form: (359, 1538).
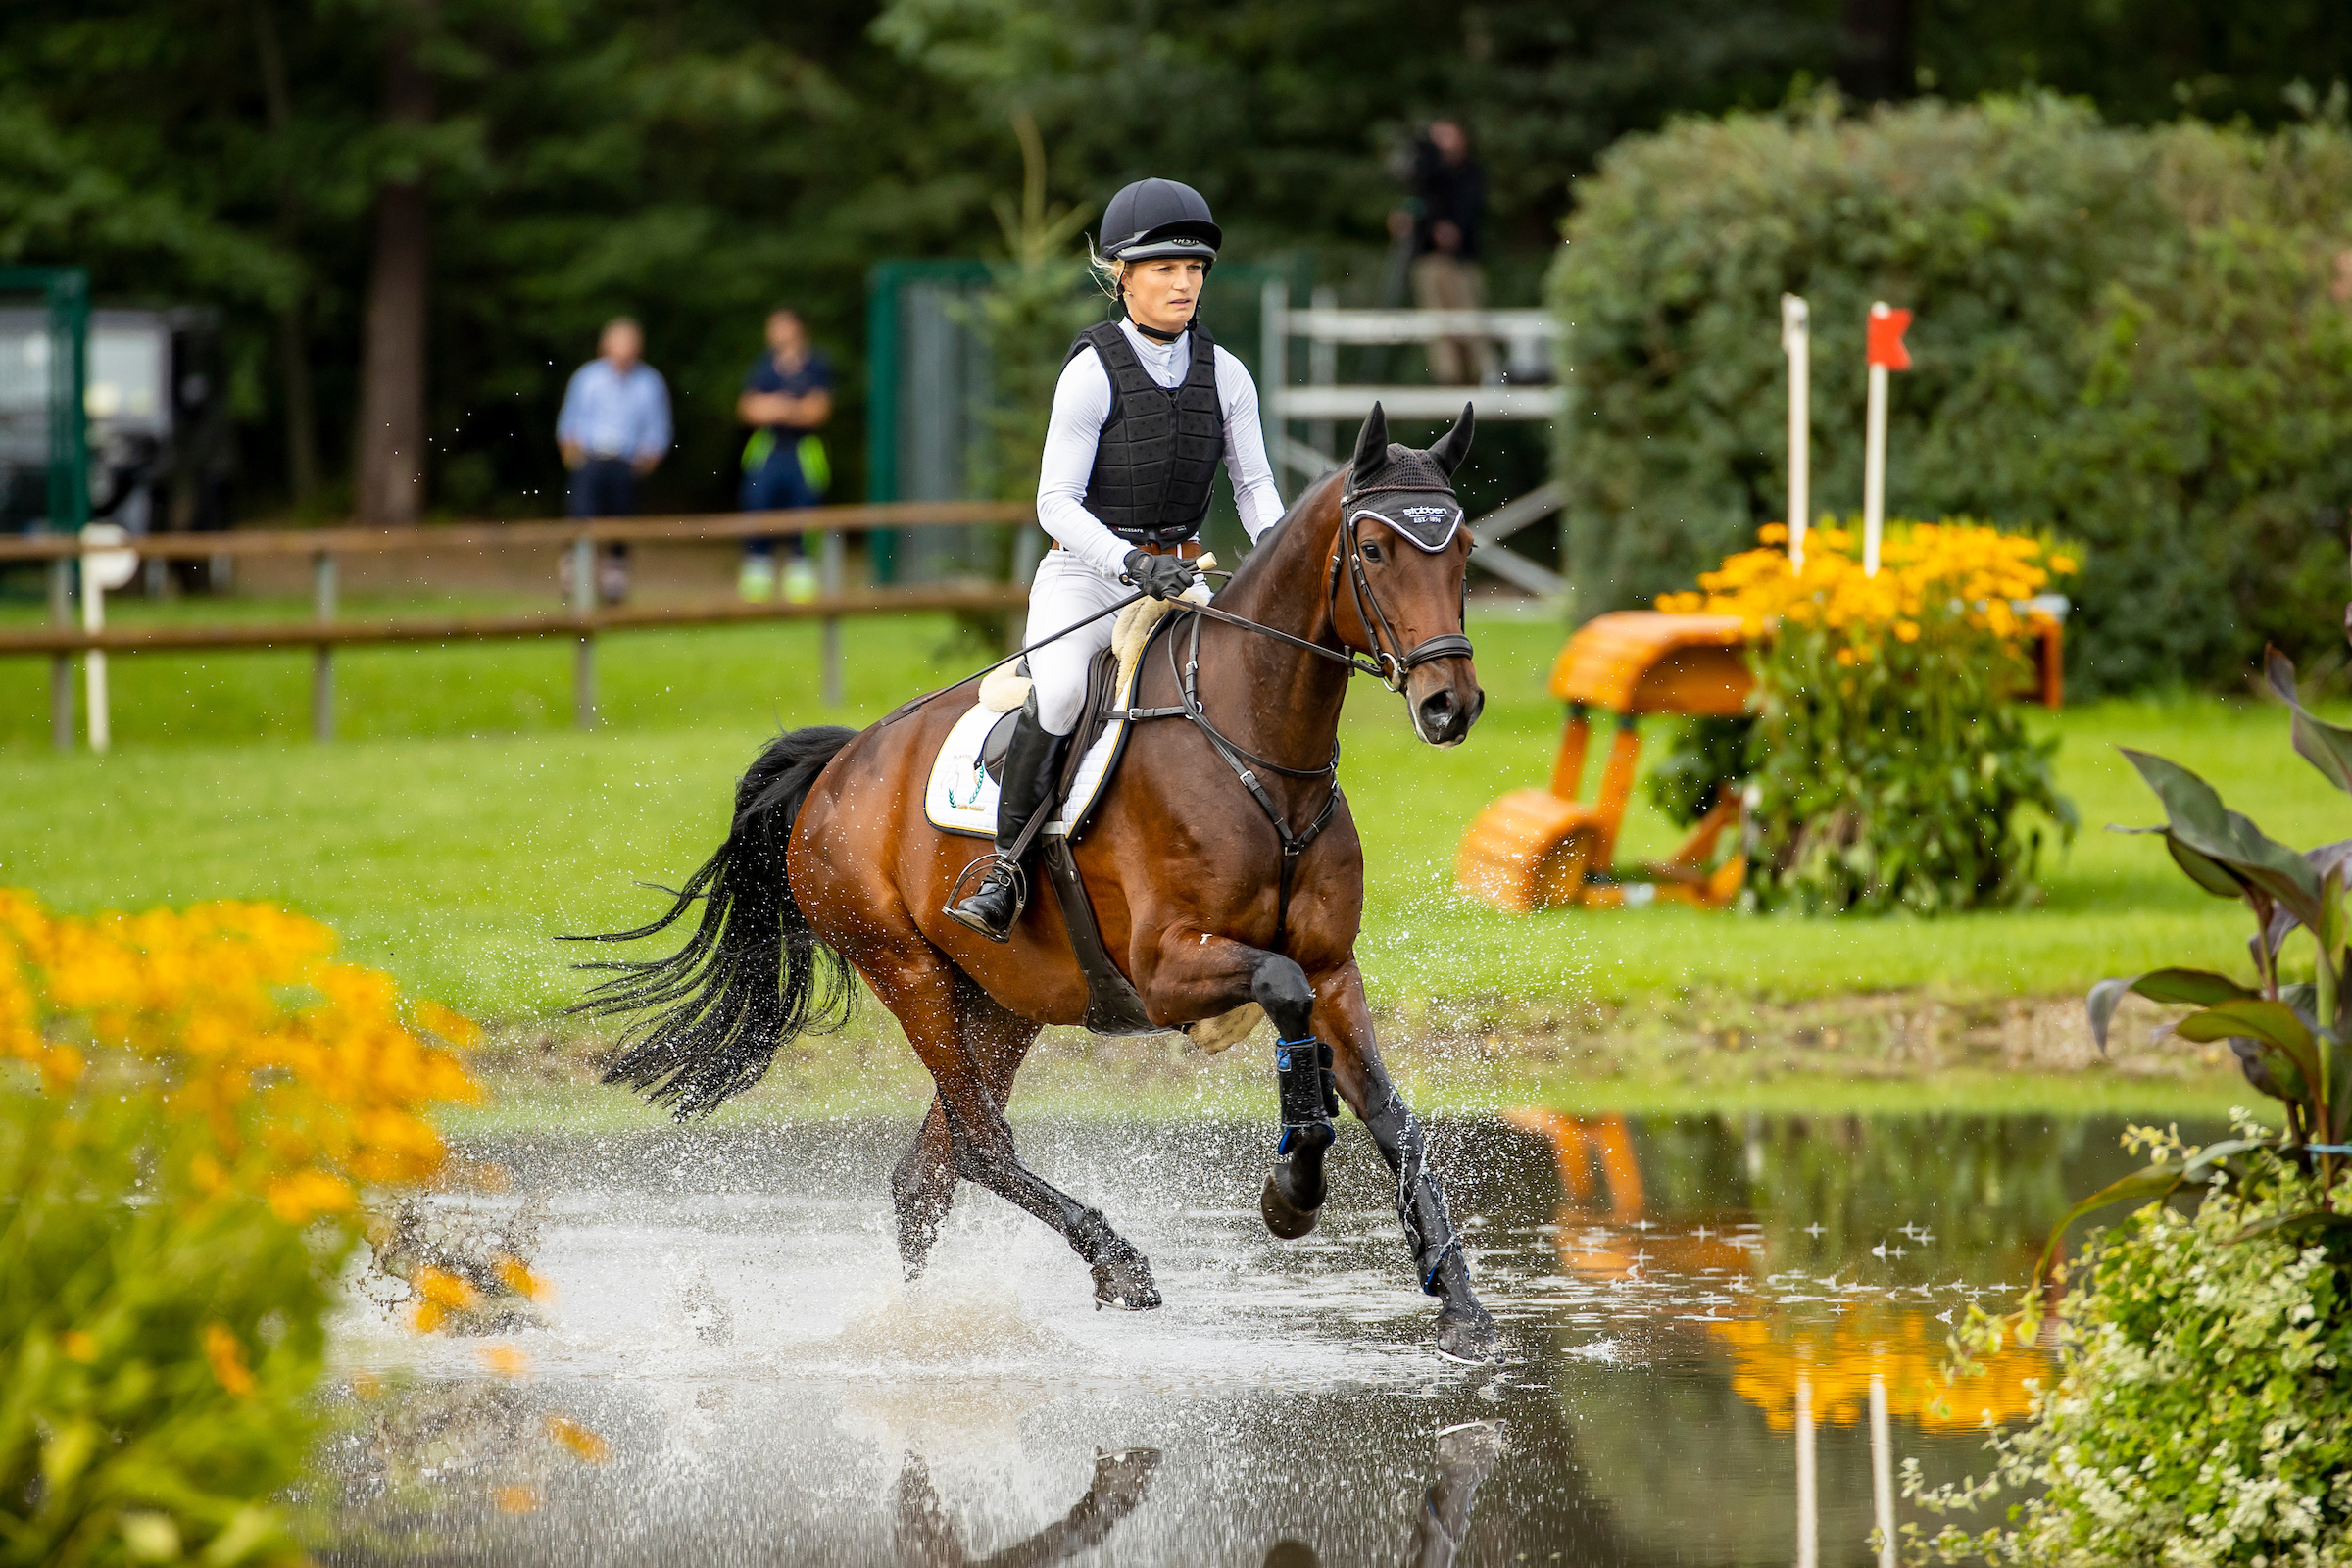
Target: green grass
(460, 825)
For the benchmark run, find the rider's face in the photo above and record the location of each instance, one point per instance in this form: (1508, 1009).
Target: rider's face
(1162, 293)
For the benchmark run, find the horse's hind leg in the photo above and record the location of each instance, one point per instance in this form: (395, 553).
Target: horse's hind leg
(921, 1187)
(923, 1183)
(972, 1049)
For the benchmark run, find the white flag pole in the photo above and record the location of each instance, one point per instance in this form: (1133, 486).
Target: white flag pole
(1796, 341)
(1874, 462)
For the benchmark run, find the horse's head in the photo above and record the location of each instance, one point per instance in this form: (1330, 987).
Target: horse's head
(1397, 571)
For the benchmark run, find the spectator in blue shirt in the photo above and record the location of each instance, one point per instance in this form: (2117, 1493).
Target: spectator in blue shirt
(787, 398)
(613, 431)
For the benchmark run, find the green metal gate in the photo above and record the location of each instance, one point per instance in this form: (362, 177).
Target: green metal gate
(44, 365)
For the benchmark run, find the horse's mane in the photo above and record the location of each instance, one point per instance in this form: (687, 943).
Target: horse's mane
(1260, 561)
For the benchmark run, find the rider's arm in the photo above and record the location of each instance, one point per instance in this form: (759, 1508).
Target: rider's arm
(1081, 406)
(1254, 494)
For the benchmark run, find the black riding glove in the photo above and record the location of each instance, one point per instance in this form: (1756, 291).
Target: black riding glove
(1160, 576)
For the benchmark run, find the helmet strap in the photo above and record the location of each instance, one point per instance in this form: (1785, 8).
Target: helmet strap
(1156, 334)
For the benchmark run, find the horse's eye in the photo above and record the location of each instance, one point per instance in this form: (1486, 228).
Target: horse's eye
(1371, 551)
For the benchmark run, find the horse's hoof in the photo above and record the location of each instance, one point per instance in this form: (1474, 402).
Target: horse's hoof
(1125, 1284)
(1284, 1218)
(1473, 1341)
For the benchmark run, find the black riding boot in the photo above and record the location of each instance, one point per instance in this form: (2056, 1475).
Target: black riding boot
(1032, 764)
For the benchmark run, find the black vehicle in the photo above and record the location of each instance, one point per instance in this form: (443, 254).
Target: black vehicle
(161, 448)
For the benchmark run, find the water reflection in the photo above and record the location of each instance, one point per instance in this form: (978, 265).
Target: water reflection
(1702, 1318)
(927, 1536)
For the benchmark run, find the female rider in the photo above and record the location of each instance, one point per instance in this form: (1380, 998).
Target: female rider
(1145, 407)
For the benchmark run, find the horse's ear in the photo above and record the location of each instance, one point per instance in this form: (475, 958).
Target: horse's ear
(1454, 445)
(1371, 447)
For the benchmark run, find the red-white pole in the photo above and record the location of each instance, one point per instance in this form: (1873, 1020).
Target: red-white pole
(1885, 352)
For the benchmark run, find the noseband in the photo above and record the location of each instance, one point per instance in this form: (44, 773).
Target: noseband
(1390, 661)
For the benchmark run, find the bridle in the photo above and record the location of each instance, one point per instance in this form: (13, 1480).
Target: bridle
(1389, 668)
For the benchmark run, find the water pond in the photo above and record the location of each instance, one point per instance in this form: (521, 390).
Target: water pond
(1699, 1316)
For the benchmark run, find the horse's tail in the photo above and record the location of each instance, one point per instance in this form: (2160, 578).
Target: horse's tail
(754, 976)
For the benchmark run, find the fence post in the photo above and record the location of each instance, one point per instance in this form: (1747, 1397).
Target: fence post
(829, 583)
(322, 656)
(1274, 355)
(583, 605)
(61, 666)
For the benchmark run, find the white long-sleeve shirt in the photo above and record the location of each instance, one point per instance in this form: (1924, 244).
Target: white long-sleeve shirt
(1081, 406)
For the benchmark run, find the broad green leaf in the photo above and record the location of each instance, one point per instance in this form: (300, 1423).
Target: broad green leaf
(2273, 1023)
(2294, 1227)
(2214, 879)
(2154, 1182)
(2197, 987)
(2324, 745)
(2199, 821)
(2207, 873)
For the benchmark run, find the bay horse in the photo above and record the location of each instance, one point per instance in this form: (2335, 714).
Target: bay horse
(1222, 863)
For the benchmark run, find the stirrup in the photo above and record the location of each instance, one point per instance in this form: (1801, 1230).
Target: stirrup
(1004, 871)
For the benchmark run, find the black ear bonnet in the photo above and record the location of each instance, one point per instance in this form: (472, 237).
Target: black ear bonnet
(1410, 491)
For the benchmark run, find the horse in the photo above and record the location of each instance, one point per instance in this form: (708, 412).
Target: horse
(1222, 863)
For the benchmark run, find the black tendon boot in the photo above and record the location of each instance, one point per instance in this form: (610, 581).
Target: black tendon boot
(1294, 1190)
(1032, 764)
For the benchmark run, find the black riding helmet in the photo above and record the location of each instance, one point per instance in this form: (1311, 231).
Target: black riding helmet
(1155, 217)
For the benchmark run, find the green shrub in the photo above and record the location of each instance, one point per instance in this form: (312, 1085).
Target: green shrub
(2126, 336)
(2202, 1411)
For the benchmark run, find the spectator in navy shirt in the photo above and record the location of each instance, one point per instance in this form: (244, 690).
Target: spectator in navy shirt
(613, 431)
(787, 398)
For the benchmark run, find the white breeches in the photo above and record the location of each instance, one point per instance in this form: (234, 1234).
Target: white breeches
(1066, 589)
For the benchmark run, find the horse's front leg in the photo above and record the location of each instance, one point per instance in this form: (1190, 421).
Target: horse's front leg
(1193, 974)
(1465, 1330)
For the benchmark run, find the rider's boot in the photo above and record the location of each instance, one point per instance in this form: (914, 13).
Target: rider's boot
(1032, 765)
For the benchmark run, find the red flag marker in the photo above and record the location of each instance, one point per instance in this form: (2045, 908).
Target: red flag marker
(1886, 350)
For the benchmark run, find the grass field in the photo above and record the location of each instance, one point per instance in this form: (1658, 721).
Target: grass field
(460, 826)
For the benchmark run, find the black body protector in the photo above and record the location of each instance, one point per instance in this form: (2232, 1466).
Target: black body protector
(1160, 450)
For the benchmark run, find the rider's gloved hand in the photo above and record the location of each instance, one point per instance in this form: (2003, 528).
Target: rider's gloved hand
(1160, 576)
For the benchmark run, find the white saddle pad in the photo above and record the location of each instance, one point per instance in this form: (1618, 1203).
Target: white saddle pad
(960, 797)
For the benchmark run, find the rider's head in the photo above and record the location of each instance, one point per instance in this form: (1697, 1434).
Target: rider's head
(1158, 243)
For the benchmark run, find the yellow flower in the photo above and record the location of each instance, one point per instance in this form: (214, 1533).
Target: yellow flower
(578, 1439)
(220, 1348)
(518, 1277)
(79, 1345)
(505, 1360)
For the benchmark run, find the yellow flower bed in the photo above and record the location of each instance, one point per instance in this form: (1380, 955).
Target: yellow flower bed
(1956, 573)
(306, 1072)
(1885, 764)
(191, 1107)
